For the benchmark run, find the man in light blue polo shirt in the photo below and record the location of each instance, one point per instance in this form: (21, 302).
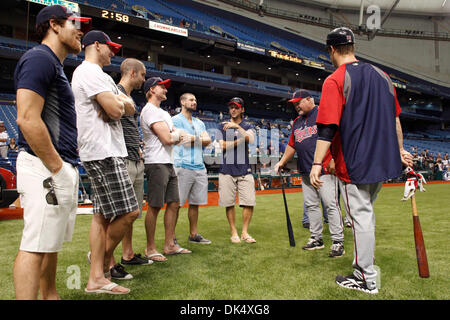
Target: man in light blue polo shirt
(188, 162)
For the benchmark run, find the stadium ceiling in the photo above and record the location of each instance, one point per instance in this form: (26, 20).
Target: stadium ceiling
(416, 7)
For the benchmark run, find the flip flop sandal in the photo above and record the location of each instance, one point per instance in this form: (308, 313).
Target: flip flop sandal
(107, 288)
(178, 251)
(248, 239)
(157, 254)
(235, 239)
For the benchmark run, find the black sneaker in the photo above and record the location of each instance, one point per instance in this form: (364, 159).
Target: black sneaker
(198, 238)
(136, 260)
(314, 244)
(337, 249)
(118, 272)
(351, 282)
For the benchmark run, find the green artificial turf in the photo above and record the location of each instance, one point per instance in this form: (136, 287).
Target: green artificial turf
(268, 269)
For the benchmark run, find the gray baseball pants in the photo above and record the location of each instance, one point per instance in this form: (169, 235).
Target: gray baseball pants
(329, 195)
(358, 201)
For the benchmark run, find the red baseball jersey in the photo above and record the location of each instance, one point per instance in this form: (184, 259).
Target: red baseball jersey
(361, 100)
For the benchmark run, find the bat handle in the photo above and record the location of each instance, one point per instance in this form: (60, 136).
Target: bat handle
(414, 206)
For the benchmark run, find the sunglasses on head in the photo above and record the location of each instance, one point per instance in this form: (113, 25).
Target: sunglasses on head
(50, 197)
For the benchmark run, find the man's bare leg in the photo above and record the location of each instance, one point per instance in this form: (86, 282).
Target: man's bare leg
(48, 277)
(27, 274)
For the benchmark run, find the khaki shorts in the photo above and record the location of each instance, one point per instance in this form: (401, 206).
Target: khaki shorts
(243, 185)
(46, 226)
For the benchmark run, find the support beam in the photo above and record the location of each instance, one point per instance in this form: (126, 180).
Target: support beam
(385, 17)
(339, 16)
(361, 14)
(442, 24)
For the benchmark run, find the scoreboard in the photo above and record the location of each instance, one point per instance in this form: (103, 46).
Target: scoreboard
(132, 20)
(113, 16)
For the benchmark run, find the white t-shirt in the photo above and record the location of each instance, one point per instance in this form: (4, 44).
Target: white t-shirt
(97, 139)
(154, 150)
(4, 135)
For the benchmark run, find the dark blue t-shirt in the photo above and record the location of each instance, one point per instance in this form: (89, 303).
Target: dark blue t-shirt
(41, 71)
(303, 139)
(235, 162)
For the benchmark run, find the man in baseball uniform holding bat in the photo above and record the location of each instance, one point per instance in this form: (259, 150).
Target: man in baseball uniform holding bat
(358, 118)
(303, 141)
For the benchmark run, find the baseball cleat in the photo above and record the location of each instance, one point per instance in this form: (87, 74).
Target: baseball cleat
(313, 244)
(351, 282)
(337, 249)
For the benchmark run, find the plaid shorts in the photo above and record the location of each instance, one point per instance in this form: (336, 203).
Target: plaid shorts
(113, 191)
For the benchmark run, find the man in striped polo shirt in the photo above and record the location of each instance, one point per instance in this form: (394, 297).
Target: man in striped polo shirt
(132, 78)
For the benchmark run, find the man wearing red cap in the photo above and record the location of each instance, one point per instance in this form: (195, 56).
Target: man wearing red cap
(47, 178)
(303, 141)
(235, 173)
(100, 105)
(159, 136)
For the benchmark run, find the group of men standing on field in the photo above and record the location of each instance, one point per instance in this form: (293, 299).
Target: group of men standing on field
(98, 118)
(95, 119)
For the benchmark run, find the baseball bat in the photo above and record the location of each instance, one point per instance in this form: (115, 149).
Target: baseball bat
(422, 261)
(261, 186)
(288, 220)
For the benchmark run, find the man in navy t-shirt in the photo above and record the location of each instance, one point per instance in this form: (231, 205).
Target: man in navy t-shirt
(303, 142)
(47, 178)
(235, 172)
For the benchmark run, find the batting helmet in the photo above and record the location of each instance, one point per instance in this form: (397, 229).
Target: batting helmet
(340, 36)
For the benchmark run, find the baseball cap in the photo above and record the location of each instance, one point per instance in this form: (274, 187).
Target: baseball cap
(153, 81)
(60, 12)
(100, 37)
(340, 36)
(299, 95)
(236, 101)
